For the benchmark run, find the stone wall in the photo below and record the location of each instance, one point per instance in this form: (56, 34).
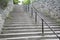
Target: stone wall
(4, 13)
(49, 8)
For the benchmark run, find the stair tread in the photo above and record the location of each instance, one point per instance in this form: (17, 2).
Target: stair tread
(31, 31)
(27, 30)
(29, 26)
(41, 37)
(25, 33)
(20, 25)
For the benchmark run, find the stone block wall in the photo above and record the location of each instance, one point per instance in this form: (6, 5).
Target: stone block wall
(5, 13)
(49, 8)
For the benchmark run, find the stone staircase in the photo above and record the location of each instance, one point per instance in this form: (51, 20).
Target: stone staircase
(23, 28)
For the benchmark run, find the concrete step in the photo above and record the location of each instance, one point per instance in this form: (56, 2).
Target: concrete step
(24, 30)
(23, 22)
(32, 26)
(19, 28)
(25, 33)
(34, 37)
(28, 30)
(19, 31)
(33, 30)
(22, 25)
(15, 18)
(20, 21)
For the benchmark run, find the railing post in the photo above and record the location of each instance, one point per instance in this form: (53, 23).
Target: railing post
(31, 12)
(42, 27)
(59, 38)
(28, 7)
(35, 17)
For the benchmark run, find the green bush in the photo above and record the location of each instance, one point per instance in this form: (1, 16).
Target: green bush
(16, 1)
(3, 3)
(26, 2)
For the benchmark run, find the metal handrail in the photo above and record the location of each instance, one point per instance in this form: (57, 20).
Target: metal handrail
(43, 22)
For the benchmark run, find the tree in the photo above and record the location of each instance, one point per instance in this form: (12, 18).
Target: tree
(26, 2)
(16, 1)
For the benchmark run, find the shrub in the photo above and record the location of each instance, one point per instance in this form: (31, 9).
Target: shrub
(26, 2)
(16, 1)
(3, 3)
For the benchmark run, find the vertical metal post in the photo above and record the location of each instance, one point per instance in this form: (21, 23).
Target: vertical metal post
(31, 12)
(59, 38)
(35, 17)
(42, 27)
(28, 7)
(25, 8)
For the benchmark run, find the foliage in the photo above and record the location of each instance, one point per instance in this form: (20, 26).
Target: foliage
(3, 3)
(26, 2)
(16, 1)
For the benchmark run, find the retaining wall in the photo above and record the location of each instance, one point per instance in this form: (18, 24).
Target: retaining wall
(4, 13)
